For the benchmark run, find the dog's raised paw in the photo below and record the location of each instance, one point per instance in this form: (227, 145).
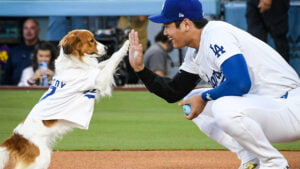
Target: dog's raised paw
(125, 47)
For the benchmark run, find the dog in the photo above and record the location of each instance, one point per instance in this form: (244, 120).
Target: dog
(69, 102)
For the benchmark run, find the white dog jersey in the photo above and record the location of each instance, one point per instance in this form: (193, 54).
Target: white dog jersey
(71, 97)
(270, 75)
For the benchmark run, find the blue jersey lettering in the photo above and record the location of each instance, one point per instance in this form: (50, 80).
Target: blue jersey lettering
(90, 94)
(58, 83)
(52, 89)
(215, 79)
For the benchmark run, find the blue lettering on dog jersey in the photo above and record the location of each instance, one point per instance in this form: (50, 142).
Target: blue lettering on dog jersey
(58, 83)
(52, 89)
(215, 79)
(218, 50)
(90, 94)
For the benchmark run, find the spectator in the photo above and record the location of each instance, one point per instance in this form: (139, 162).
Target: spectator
(157, 58)
(20, 56)
(33, 75)
(139, 24)
(59, 26)
(269, 16)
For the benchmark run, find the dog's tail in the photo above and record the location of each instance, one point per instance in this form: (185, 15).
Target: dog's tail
(4, 156)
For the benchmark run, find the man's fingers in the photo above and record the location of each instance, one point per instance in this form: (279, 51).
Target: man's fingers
(134, 39)
(130, 41)
(182, 103)
(190, 116)
(131, 38)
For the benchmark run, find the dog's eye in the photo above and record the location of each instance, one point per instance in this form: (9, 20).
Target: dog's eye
(92, 40)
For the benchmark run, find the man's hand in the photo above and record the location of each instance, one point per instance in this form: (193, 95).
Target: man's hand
(197, 104)
(135, 52)
(264, 5)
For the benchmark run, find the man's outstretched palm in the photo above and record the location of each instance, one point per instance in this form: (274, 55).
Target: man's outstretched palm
(135, 52)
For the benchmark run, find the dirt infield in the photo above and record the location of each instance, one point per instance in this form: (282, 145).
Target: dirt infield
(154, 160)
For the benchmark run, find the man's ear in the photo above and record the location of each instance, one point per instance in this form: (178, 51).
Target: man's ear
(186, 24)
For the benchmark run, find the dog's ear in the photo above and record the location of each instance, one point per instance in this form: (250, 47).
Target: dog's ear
(69, 43)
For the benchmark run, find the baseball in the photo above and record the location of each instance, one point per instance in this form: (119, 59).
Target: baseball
(187, 109)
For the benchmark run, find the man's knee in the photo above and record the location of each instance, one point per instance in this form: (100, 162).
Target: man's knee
(226, 111)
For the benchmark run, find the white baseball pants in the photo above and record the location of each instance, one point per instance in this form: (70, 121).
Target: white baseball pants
(246, 125)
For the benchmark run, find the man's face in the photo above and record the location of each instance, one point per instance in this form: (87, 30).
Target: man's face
(30, 30)
(175, 35)
(169, 46)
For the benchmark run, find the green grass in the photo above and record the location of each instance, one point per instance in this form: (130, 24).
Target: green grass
(129, 120)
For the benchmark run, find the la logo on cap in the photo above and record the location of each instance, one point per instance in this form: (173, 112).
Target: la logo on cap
(180, 15)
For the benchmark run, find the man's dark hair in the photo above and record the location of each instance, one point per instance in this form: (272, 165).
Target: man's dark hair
(34, 20)
(198, 23)
(160, 37)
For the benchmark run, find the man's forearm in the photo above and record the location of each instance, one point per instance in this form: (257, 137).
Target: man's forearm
(171, 90)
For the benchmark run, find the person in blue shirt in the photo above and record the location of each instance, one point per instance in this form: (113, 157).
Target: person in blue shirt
(21, 55)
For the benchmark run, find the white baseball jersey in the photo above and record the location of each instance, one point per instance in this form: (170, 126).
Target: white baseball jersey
(270, 74)
(71, 97)
(249, 123)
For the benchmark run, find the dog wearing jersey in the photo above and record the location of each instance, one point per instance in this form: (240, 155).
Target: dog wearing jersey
(69, 102)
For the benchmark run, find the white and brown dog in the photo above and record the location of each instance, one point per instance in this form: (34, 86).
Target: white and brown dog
(69, 102)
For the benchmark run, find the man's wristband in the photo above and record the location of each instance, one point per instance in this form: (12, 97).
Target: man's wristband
(206, 96)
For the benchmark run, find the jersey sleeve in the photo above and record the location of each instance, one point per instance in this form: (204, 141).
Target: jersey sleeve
(188, 65)
(237, 83)
(221, 46)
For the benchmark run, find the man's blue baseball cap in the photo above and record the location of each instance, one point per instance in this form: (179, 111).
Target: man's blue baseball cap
(176, 10)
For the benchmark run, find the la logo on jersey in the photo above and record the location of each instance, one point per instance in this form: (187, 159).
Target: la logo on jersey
(218, 50)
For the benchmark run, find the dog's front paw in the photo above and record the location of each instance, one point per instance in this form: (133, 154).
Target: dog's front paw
(124, 48)
(122, 52)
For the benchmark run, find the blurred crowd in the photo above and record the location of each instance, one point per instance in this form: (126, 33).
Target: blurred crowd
(30, 62)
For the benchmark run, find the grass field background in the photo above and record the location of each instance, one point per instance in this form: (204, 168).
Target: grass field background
(129, 120)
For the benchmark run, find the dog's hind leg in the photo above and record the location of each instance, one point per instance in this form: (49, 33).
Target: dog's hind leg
(22, 152)
(4, 156)
(43, 160)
